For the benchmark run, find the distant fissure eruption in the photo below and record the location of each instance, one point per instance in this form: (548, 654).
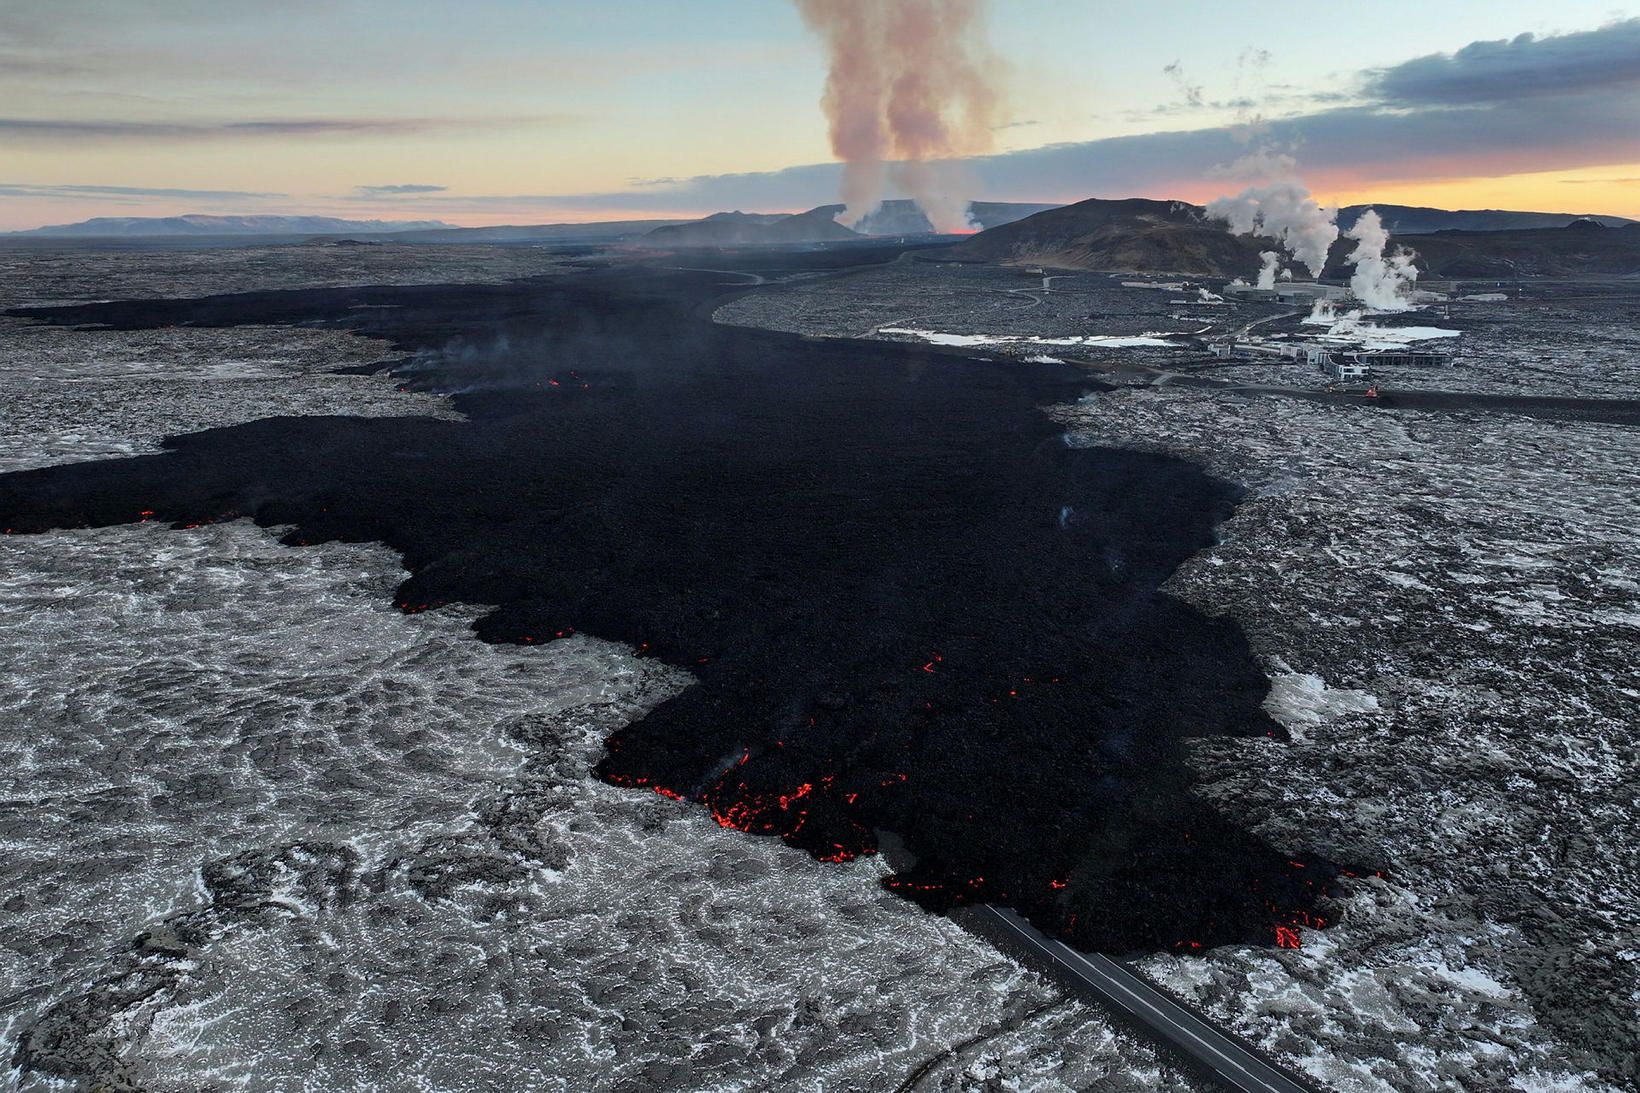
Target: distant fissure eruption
(911, 86)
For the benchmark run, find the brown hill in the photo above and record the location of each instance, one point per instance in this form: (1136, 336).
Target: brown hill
(901, 217)
(1577, 250)
(1420, 220)
(1143, 236)
(741, 229)
(1136, 234)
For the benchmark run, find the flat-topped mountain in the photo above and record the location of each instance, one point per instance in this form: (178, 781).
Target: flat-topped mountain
(107, 227)
(1419, 220)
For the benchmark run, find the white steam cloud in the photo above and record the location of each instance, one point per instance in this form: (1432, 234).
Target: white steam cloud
(1278, 205)
(1267, 275)
(910, 87)
(1383, 281)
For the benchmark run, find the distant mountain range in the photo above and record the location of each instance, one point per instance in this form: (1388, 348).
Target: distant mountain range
(1418, 220)
(1141, 235)
(125, 227)
(819, 225)
(1582, 248)
(739, 229)
(904, 218)
(603, 231)
(1134, 234)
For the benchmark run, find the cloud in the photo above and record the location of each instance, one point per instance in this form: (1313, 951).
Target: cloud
(1340, 147)
(1597, 181)
(398, 188)
(91, 130)
(23, 189)
(1510, 70)
(1492, 108)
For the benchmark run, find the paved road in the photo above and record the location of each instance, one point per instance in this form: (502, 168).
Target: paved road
(1227, 1058)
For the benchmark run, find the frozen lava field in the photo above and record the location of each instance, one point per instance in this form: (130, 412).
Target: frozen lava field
(1181, 675)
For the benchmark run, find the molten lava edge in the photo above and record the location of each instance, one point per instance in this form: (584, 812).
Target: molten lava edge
(910, 606)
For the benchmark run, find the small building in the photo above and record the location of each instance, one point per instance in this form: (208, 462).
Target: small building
(1345, 371)
(1405, 357)
(1288, 292)
(1245, 291)
(1307, 292)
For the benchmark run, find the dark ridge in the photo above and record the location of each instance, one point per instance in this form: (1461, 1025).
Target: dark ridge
(911, 607)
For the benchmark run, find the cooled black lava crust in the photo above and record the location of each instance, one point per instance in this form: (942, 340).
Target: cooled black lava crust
(910, 606)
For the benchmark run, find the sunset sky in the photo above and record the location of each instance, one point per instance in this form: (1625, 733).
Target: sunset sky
(534, 111)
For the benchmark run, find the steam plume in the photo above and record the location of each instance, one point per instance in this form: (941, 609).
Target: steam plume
(1278, 204)
(1381, 281)
(910, 87)
(1267, 275)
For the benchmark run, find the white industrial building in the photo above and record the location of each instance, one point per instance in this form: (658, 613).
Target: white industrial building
(1289, 292)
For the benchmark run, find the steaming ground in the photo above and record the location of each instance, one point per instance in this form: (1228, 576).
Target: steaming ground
(261, 830)
(1561, 339)
(1448, 606)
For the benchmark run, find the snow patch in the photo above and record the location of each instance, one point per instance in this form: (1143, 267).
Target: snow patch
(1112, 341)
(1300, 700)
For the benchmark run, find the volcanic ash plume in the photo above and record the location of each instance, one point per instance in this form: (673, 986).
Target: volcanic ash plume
(1381, 281)
(910, 87)
(1280, 206)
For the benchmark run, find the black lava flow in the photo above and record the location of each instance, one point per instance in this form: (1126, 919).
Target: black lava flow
(910, 606)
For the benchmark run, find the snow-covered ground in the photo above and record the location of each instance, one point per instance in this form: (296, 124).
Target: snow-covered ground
(41, 277)
(260, 830)
(70, 395)
(1449, 609)
(1103, 341)
(363, 847)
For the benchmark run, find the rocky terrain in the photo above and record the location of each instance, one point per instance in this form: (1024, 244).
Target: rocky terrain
(1133, 234)
(264, 830)
(1449, 607)
(261, 830)
(73, 395)
(1572, 339)
(1141, 235)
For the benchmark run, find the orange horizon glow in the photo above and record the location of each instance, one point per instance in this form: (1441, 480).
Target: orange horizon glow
(1612, 190)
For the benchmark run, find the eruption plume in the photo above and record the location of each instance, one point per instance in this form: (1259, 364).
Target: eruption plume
(910, 88)
(1381, 281)
(1278, 204)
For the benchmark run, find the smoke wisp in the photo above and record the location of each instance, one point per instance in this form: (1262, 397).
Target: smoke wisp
(1278, 205)
(1382, 280)
(911, 86)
